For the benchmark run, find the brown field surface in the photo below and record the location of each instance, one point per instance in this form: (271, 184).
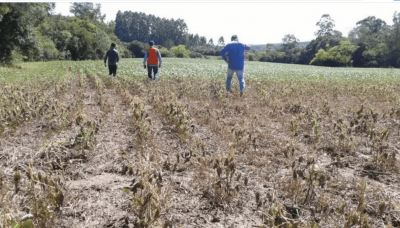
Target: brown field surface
(93, 151)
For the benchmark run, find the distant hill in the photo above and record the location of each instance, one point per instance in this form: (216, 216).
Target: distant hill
(261, 47)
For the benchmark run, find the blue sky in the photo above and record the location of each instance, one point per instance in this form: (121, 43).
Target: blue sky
(257, 21)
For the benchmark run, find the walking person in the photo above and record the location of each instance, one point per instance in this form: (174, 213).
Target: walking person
(235, 61)
(153, 59)
(113, 58)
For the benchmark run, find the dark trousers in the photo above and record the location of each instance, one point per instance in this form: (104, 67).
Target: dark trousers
(154, 69)
(112, 69)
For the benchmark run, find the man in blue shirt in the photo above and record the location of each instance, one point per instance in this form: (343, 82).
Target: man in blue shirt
(235, 60)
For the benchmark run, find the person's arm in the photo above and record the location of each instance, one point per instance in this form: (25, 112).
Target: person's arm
(159, 59)
(246, 47)
(117, 57)
(223, 53)
(105, 58)
(144, 59)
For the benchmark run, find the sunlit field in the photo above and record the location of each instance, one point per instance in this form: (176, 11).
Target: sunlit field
(305, 146)
(253, 70)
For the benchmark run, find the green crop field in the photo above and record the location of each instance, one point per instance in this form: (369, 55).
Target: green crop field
(173, 67)
(305, 146)
(270, 71)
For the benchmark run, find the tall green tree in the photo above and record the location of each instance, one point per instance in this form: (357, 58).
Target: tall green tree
(221, 41)
(289, 42)
(211, 42)
(370, 35)
(326, 37)
(87, 11)
(290, 47)
(203, 41)
(77, 38)
(196, 40)
(131, 26)
(393, 42)
(17, 28)
(374, 25)
(269, 47)
(326, 25)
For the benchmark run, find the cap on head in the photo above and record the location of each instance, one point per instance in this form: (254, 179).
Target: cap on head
(234, 38)
(151, 43)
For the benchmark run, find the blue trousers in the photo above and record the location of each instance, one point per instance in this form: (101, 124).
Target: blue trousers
(239, 74)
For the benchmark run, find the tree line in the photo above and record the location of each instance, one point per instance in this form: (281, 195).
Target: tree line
(371, 43)
(31, 32)
(137, 28)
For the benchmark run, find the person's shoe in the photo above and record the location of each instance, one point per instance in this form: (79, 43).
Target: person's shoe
(228, 93)
(241, 93)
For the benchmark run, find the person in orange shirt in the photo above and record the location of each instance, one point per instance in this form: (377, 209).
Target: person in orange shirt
(153, 59)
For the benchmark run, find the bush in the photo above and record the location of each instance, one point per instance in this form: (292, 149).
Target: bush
(271, 56)
(47, 49)
(65, 55)
(126, 54)
(180, 51)
(250, 56)
(17, 58)
(165, 53)
(340, 55)
(195, 55)
(137, 48)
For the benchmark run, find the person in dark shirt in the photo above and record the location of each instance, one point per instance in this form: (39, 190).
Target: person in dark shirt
(113, 58)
